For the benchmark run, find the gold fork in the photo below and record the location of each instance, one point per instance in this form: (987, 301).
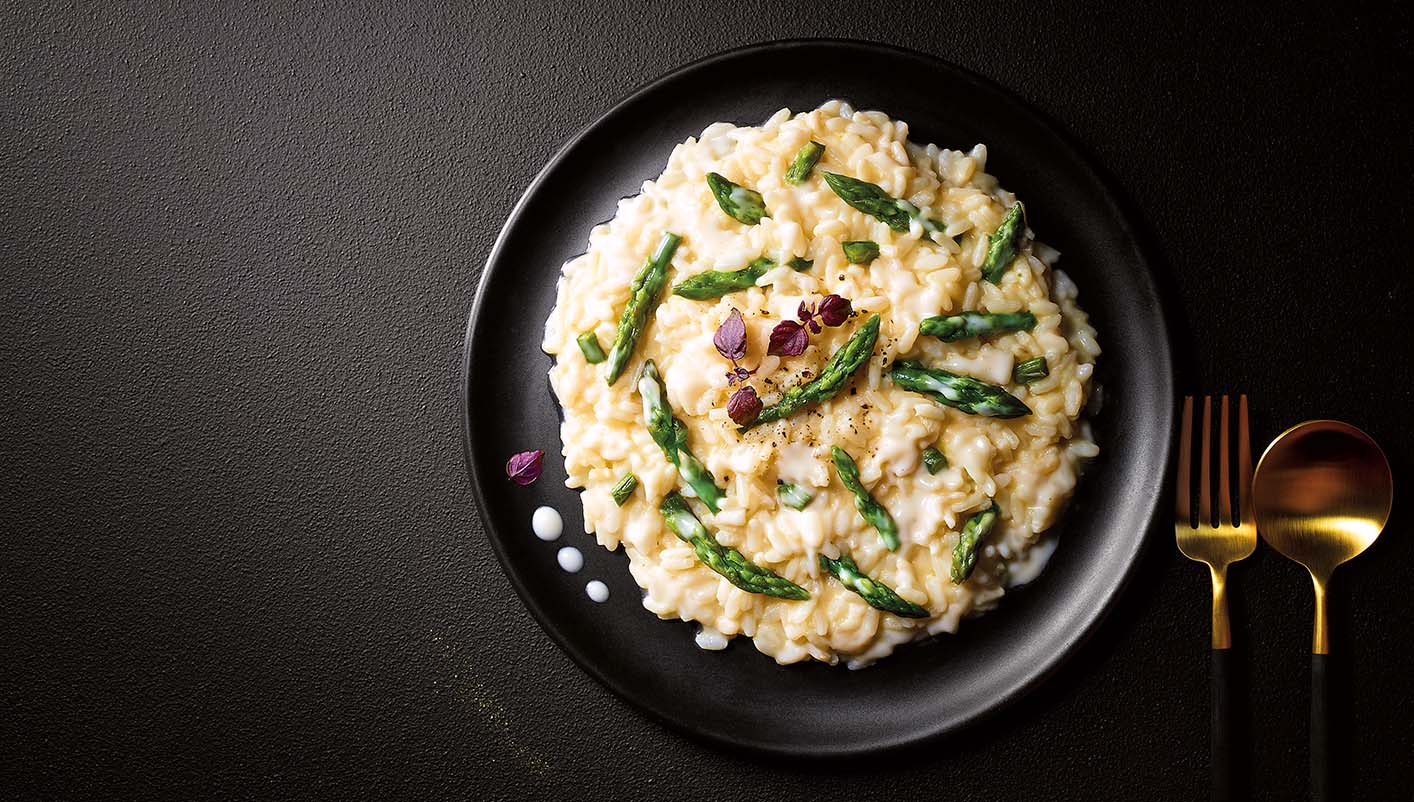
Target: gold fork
(1218, 544)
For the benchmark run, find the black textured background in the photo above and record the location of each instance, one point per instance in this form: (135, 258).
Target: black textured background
(238, 555)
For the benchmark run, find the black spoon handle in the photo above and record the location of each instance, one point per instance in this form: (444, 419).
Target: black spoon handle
(1320, 743)
(1222, 742)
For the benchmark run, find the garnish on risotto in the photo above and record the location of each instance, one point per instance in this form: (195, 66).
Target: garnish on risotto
(744, 406)
(860, 252)
(788, 338)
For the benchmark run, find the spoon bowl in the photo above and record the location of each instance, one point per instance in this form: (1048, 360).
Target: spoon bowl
(1322, 494)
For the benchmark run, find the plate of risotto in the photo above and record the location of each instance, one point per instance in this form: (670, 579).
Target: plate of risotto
(817, 398)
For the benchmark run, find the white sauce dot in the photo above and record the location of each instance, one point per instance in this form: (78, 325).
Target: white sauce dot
(598, 591)
(570, 559)
(547, 524)
(711, 640)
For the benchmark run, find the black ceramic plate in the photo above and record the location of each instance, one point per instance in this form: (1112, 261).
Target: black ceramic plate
(739, 696)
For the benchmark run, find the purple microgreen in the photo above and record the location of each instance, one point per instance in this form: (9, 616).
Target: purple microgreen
(524, 468)
(738, 374)
(744, 405)
(835, 310)
(730, 338)
(806, 313)
(788, 338)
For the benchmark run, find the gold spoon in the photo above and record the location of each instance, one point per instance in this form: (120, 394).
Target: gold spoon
(1321, 494)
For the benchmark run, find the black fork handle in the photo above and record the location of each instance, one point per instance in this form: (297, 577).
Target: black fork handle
(1224, 782)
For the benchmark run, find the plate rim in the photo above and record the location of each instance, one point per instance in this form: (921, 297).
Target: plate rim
(1097, 613)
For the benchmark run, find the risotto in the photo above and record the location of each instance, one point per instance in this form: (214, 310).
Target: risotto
(850, 392)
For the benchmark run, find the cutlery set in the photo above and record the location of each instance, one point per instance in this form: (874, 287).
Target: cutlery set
(1320, 495)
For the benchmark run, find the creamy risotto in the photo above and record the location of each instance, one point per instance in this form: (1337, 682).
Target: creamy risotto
(966, 487)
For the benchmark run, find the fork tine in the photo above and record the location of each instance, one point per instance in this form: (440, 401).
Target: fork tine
(1183, 509)
(1224, 486)
(1205, 477)
(1244, 463)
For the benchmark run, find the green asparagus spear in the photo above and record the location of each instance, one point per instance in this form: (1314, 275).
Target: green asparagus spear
(970, 395)
(964, 554)
(740, 203)
(794, 496)
(590, 347)
(643, 297)
(725, 560)
(716, 283)
(879, 595)
(1032, 370)
(875, 202)
(1004, 244)
(624, 489)
(934, 460)
(872, 200)
(830, 381)
(965, 325)
(671, 435)
(800, 264)
(869, 508)
(805, 161)
(860, 252)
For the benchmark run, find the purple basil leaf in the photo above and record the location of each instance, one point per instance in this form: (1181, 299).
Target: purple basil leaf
(804, 312)
(788, 338)
(744, 405)
(730, 338)
(813, 325)
(835, 310)
(524, 468)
